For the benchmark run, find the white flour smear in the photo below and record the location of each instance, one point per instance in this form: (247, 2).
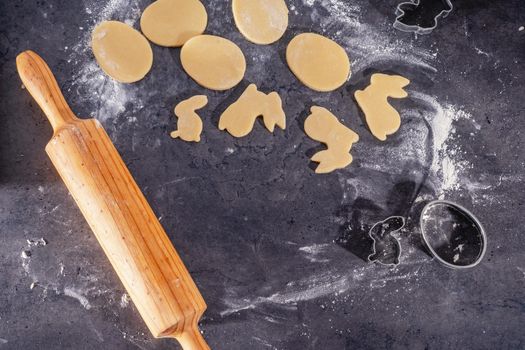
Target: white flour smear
(314, 252)
(327, 283)
(77, 294)
(90, 83)
(55, 276)
(447, 165)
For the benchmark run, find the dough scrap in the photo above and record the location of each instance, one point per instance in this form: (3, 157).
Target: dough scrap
(381, 117)
(189, 124)
(214, 62)
(261, 21)
(321, 125)
(173, 22)
(238, 119)
(122, 52)
(318, 62)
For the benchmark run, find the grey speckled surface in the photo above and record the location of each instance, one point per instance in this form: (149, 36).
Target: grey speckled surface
(276, 250)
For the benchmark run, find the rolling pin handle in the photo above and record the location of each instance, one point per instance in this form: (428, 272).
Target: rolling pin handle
(42, 85)
(192, 339)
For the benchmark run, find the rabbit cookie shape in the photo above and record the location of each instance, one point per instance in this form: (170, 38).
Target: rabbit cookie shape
(189, 124)
(323, 126)
(238, 119)
(386, 249)
(381, 117)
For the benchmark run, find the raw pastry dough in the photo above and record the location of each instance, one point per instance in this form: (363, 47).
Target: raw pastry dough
(318, 62)
(121, 51)
(238, 119)
(189, 125)
(381, 117)
(213, 62)
(323, 126)
(261, 21)
(172, 22)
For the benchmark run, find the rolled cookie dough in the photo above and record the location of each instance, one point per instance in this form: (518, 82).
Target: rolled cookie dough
(261, 21)
(240, 116)
(381, 117)
(122, 52)
(318, 62)
(172, 22)
(213, 62)
(189, 124)
(323, 126)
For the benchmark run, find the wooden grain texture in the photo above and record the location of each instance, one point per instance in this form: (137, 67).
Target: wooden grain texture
(126, 227)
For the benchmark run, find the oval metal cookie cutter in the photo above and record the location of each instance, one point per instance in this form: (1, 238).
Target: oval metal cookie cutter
(452, 234)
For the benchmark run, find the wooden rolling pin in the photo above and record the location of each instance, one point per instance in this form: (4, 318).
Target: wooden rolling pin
(126, 227)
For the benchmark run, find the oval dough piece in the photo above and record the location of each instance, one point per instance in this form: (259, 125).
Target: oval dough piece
(213, 62)
(318, 62)
(173, 22)
(122, 52)
(261, 21)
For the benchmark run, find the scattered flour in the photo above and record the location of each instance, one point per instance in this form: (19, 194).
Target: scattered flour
(27, 253)
(327, 283)
(447, 163)
(522, 270)
(316, 286)
(77, 294)
(52, 277)
(313, 251)
(124, 300)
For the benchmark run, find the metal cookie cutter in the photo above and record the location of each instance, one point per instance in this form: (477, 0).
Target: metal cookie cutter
(453, 235)
(401, 12)
(386, 249)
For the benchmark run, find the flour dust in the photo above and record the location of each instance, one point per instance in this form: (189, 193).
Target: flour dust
(49, 274)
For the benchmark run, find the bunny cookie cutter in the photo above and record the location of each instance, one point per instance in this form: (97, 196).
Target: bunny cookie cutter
(386, 249)
(401, 12)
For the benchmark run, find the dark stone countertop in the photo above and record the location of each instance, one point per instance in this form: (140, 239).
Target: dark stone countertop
(276, 250)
